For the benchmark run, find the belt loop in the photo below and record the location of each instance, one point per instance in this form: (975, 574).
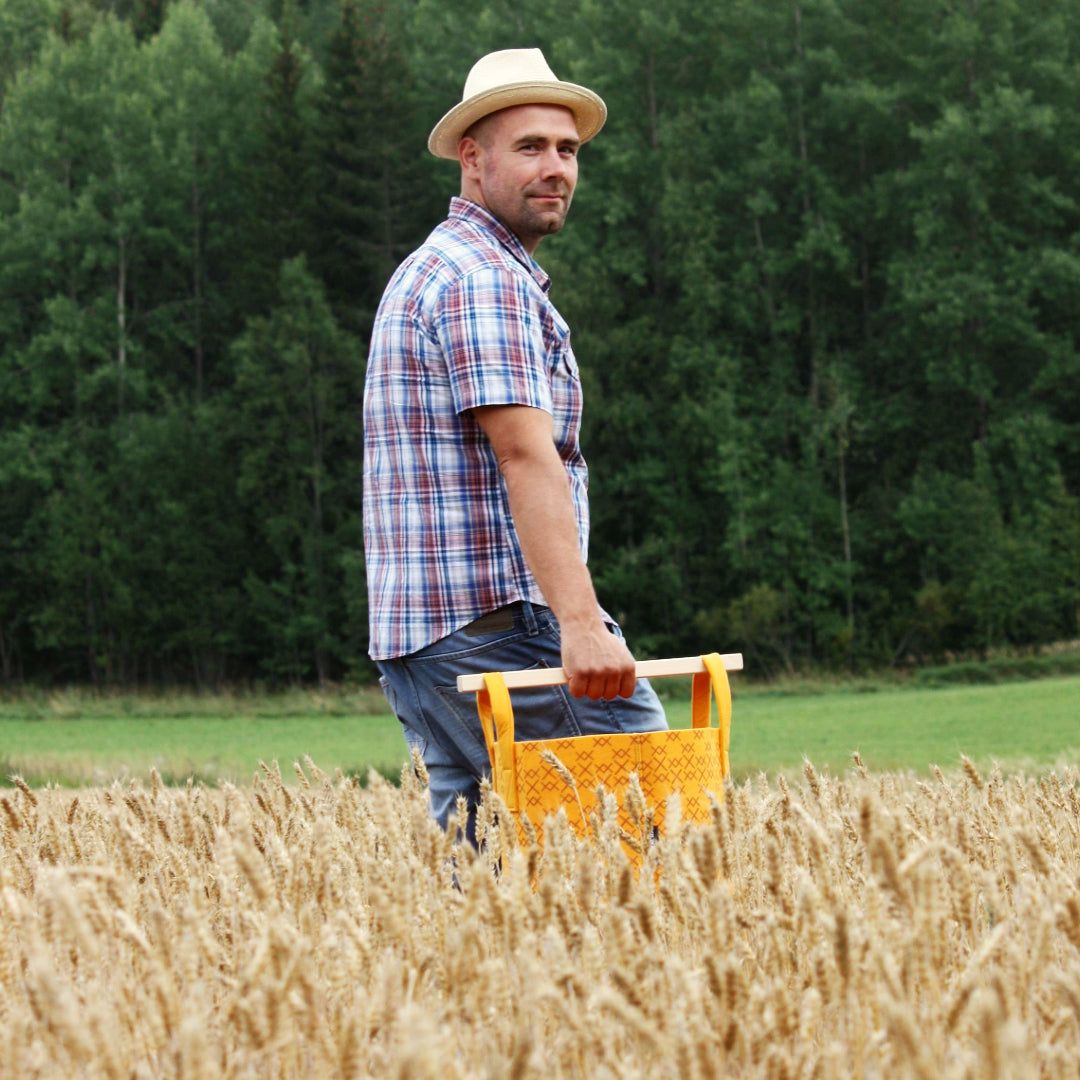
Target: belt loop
(529, 616)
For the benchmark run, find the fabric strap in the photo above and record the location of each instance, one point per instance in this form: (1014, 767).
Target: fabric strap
(497, 720)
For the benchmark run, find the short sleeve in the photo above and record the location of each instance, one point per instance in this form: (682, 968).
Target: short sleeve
(490, 331)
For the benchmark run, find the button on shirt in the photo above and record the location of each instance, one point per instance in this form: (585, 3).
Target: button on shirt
(465, 322)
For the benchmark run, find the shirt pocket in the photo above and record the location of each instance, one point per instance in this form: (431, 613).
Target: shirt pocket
(560, 353)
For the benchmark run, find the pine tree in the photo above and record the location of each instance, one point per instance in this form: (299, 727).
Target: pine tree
(374, 204)
(279, 213)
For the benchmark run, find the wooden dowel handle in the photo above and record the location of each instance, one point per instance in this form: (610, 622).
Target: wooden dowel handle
(652, 669)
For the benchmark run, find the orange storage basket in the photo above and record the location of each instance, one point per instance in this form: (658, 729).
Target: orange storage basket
(692, 762)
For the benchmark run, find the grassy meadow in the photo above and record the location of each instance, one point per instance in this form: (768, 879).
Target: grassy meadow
(74, 738)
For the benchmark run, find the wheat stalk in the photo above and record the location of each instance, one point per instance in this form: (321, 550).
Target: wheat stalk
(833, 926)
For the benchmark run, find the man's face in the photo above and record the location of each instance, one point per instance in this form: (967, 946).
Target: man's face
(521, 163)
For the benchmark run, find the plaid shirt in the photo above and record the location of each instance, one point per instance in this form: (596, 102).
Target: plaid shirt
(465, 321)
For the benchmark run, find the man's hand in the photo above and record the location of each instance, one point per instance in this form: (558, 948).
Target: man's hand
(597, 662)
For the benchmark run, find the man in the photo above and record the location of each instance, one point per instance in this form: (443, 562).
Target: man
(475, 502)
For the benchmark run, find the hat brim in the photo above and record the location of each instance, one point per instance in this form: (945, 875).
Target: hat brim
(588, 108)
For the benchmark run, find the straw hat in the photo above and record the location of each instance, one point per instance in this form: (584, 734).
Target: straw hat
(514, 77)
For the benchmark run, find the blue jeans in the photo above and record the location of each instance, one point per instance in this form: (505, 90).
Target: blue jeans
(443, 726)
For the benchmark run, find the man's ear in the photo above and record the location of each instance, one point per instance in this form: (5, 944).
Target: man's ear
(469, 151)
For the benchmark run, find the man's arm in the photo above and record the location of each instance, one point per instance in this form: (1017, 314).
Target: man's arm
(597, 663)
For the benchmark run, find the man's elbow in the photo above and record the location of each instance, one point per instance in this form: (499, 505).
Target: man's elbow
(521, 438)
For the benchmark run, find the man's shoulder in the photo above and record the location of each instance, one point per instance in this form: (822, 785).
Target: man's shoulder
(455, 252)
(461, 248)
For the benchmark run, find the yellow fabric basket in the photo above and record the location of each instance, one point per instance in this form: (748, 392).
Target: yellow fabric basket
(692, 762)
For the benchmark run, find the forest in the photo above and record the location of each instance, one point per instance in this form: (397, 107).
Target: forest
(822, 272)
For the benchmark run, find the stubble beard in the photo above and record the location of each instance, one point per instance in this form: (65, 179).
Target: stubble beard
(534, 223)
(544, 224)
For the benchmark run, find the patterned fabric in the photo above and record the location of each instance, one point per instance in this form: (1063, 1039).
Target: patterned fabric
(692, 763)
(688, 762)
(464, 322)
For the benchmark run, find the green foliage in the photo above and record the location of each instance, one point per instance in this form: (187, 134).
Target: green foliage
(822, 272)
(298, 377)
(377, 189)
(24, 27)
(1000, 670)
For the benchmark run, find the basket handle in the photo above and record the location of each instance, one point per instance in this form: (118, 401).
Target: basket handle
(556, 676)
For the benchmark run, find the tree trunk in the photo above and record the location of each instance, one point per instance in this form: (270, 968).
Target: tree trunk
(744, 555)
(655, 243)
(864, 252)
(315, 420)
(845, 527)
(196, 211)
(5, 657)
(91, 632)
(804, 158)
(121, 323)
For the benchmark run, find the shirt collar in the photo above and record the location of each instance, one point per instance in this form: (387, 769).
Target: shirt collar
(473, 213)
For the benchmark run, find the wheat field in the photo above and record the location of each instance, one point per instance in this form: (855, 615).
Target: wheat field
(860, 926)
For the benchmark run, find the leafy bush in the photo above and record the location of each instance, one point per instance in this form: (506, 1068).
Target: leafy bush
(999, 670)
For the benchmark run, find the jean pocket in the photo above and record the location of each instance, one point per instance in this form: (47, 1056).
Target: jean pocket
(540, 712)
(544, 712)
(414, 740)
(461, 723)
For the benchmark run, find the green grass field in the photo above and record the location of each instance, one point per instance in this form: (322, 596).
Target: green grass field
(72, 738)
(1029, 725)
